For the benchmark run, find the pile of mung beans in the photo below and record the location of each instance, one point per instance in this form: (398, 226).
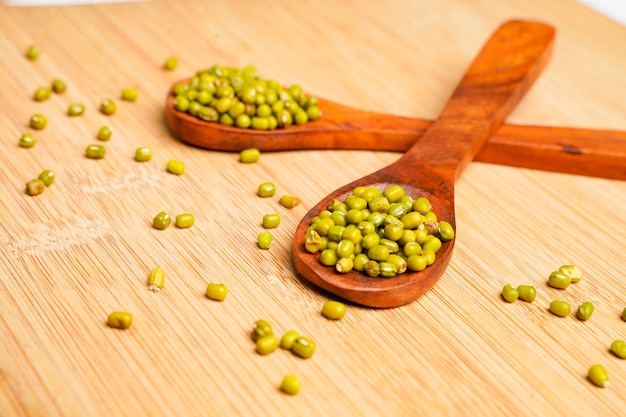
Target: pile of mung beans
(379, 233)
(239, 97)
(561, 279)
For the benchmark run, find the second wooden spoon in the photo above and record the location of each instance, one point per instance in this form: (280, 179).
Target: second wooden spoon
(503, 71)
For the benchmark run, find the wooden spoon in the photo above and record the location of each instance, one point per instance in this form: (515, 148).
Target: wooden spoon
(591, 152)
(503, 71)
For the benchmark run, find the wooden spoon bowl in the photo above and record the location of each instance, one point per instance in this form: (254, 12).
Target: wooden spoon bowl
(503, 71)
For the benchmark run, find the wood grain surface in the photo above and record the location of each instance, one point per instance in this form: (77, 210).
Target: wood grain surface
(85, 247)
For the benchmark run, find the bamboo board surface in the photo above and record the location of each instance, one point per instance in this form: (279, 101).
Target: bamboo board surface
(85, 246)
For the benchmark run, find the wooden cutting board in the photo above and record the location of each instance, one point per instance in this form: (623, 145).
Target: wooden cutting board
(85, 246)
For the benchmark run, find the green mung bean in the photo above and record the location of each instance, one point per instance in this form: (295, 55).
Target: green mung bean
(288, 339)
(120, 319)
(510, 293)
(333, 310)
(170, 64)
(288, 201)
(75, 109)
(27, 140)
(527, 293)
(290, 385)
(129, 94)
(104, 133)
(249, 156)
(143, 154)
(58, 86)
(33, 52)
(618, 347)
(585, 310)
(38, 121)
(598, 376)
(261, 328)
(175, 167)
(559, 280)
(560, 308)
(42, 93)
(624, 314)
(47, 177)
(216, 291)
(264, 240)
(108, 106)
(162, 220)
(35, 187)
(95, 151)
(303, 347)
(156, 279)
(271, 220)
(266, 189)
(184, 220)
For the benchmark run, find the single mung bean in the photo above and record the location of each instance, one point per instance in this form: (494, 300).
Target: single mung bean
(624, 314)
(216, 291)
(162, 220)
(38, 121)
(42, 93)
(598, 376)
(371, 268)
(333, 310)
(572, 271)
(249, 156)
(184, 220)
(329, 257)
(47, 177)
(560, 308)
(95, 151)
(264, 240)
(266, 189)
(33, 52)
(27, 140)
(585, 310)
(120, 320)
(108, 106)
(58, 86)
(35, 187)
(143, 154)
(288, 201)
(290, 385)
(398, 262)
(104, 133)
(510, 293)
(175, 167)
(618, 347)
(344, 265)
(286, 342)
(129, 94)
(559, 280)
(527, 293)
(261, 328)
(156, 279)
(170, 64)
(271, 220)
(75, 109)
(303, 347)
(446, 231)
(387, 269)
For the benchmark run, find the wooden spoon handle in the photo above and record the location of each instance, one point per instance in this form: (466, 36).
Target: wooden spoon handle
(503, 71)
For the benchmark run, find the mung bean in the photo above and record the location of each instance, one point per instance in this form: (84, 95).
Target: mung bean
(266, 189)
(559, 280)
(175, 167)
(156, 279)
(288, 201)
(527, 293)
(290, 385)
(303, 347)
(572, 271)
(27, 140)
(120, 319)
(35, 187)
(95, 151)
(216, 291)
(184, 220)
(33, 52)
(108, 106)
(75, 109)
(249, 156)
(585, 310)
(129, 94)
(288, 339)
(560, 308)
(271, 220)
(47, 177)
(510, 293)
(170, 64)
(58, 86)
(38, 121)
(333, 310)
(264, 240)
(598, 375)
(143, 154)
(261, 328)
(618, 347)
(42, 93)
(104, 133)
(162, 220)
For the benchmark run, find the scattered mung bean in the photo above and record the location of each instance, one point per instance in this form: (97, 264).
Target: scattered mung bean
(267, 344)
(75, 109)
(288, 339)
(120, 319)
(27, 140)
(216, 291)
(129, 94)
(572, 271)
(261, 328)
(33, 52)
(303, 347)
(35, 187)
(95, 151)
(175, 167)
(560, 308)
(108, 106)
(249, 156)
(104, 133)
(624, 314)
(170, 64)
(559, 280)
(527, 293)
(585, 310)
(288, 201)
(156, 279)
(618, 347)
(38, 121)
(271, 220)
(290, 385)
(264, 240)
(510, 293)
(47, 177)
(42, 93)
(143, 154)
(162, 220)
(266, 189)
(58, 86)
(333, 310)
(598, 375)
(184, 220)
